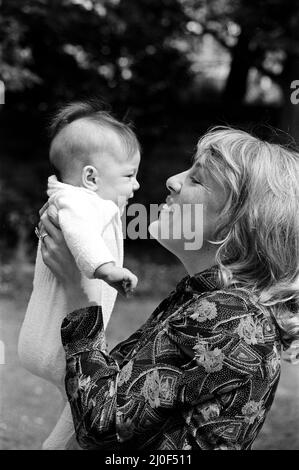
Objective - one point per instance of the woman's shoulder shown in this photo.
(233, 309)
(233, 299)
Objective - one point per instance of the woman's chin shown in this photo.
(153, 229)
(156, 231)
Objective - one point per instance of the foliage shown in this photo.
(109, 48)
(53, 51)
(269, 27)
(138, 57)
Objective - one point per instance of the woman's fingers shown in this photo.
(49, 221)
(44, 208)
(50, 228)
(47, 251)
(49, 244)
(53, 215)
(57, 256)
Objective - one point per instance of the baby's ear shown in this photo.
(90, 177)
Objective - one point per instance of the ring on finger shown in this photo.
(44, 236)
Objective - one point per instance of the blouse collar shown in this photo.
(204, 281)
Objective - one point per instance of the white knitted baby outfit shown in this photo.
(92, 230)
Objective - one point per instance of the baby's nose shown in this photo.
(136, 185)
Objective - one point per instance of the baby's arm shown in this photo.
(82, 226)
(120, 278)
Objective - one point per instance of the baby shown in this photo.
(96, 159)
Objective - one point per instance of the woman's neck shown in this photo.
(196, 262)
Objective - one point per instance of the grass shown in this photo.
(30, 406)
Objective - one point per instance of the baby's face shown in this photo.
(82, 144)
(103, 150)
(118, 177)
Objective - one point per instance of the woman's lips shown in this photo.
(168, 206)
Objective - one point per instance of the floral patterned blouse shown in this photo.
(201, 373)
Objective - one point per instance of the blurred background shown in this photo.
(174, 68)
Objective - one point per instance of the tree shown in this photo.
(54, 51)
(265, 35)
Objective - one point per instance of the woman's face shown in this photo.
(191, 212)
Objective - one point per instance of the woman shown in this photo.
(202, 372)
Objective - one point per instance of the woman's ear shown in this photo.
(90, 178)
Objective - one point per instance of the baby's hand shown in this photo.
(120, 278)
(129, 282)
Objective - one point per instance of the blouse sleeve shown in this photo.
(178, 366)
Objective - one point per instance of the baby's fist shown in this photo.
(129, 283)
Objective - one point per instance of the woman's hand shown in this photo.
(59, 259)
(55, 252)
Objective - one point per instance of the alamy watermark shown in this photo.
(175, 222)
(295, 93)
(2, 92)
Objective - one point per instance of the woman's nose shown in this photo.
(175, 182)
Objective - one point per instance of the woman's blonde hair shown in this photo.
(258, 230)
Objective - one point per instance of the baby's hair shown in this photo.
(92, 111)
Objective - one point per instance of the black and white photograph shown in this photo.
(149, 227)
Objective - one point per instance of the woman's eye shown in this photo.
(194, 180)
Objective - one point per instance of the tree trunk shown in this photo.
(236, 85)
